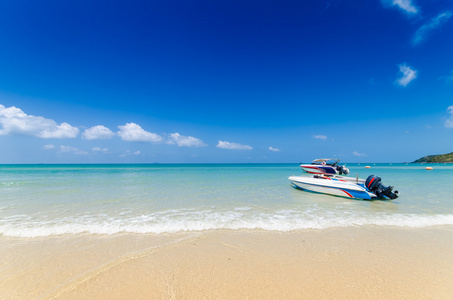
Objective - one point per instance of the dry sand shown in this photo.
(350, 263)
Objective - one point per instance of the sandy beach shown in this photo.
(350, 263)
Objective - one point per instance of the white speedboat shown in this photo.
(326, 166)
(348, 187)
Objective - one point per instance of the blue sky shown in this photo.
(225, 81)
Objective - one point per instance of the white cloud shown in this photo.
(132, 132)
(449, 122)
(185, 141)
(129, 153)
(320, 137)
(408, 75)
(14, 121)
(48, 147)
(98, 149)
(358, 154)
(422, 33)
(274, 149)
(406, 5)
(233, 146)
(98, 132)
(64, 130)
(69, 149)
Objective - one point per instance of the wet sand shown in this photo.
(350, 263)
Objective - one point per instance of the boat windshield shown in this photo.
(327, 161)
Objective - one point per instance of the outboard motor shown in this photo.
(345, 170)
(373, 183)
(342, 170)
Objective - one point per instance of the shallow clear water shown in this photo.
(43, 200)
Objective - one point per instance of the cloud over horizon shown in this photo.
(99, 149)
(48, 147)
(320, 137)
(358, 153)
(408, 74)
(233, 146)
(132, 132)
(70, 149)
(14, 121)
(98, 132)
(185, 141)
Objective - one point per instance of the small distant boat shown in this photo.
(325, 166)
(348, 187)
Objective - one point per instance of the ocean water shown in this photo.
(46, 200)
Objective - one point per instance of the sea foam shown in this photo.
(186, 220)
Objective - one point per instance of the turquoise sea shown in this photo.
(46, 200)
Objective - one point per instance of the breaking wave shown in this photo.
(186, 220)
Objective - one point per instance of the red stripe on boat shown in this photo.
(348, 194)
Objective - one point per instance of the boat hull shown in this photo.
(332, 186)
(312, 169)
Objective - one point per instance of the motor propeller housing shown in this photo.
(345, 170)
(342, 170)
(373, 183)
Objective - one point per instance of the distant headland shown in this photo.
(441, 158)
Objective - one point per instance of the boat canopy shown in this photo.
(328, 161)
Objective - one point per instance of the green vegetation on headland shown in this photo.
(441, 158)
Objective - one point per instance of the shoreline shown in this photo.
(368, 262)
